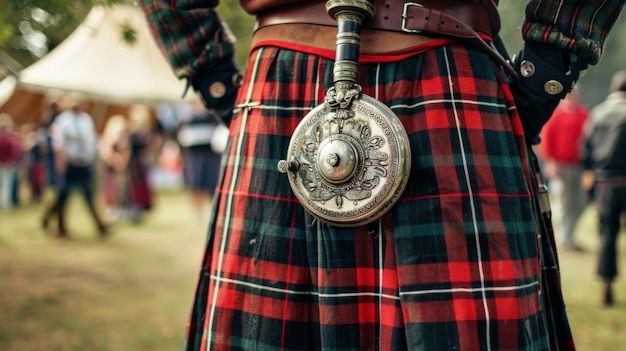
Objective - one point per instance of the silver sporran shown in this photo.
(348, 172)
(349, 158)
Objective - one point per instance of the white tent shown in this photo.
(97, 59)
(7, 86)
(111, 58)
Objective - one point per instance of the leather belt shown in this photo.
(444, 17)
(413, 23)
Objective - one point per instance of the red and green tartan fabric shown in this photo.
(464, 261)
(580, 26)
(456, 265)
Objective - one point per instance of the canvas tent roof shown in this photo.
(111, 55)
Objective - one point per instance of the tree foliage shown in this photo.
(31, 28)
(241, 24)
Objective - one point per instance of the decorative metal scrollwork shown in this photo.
(349, 158)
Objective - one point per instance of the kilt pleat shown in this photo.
(455, 265)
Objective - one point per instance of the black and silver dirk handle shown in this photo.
(350, 15)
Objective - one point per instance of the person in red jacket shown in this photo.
(10, 154)
(561, 148)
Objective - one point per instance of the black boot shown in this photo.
(62, 233)
(607, 296)
(103, 229)
(51, 211)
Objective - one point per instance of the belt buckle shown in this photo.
(405, 17)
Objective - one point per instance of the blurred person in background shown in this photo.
(143, 142)
(32, 165)
(561, 151)
(74, 143)
(169, 116)
(54, 110)
(10, 154)
(605, 165)
(201, 163)
(170, 165)
(114, 152)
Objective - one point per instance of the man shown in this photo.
(561, 151)
(605, 156)
(463, 260)
(201, 162)
(74, 144)
(54, 110)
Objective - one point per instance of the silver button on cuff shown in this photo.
(553, 87)
(527, 69)
(217, 90)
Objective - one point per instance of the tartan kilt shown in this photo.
(110, 187)
(457, 264)
(140, 192)
(36, 176)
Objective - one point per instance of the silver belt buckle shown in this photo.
(405, 17)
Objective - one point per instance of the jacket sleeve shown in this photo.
(190, 33)
(579, 26)
(587, 151)
(561, 37)
(200, 48)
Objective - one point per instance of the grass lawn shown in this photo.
(129, 292)
(594, 326)
(132, 291)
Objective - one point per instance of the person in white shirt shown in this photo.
(74, 142)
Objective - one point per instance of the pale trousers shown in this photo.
(6, 186)
(572, 200)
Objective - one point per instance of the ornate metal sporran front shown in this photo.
(350, 171)
(349, 158)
